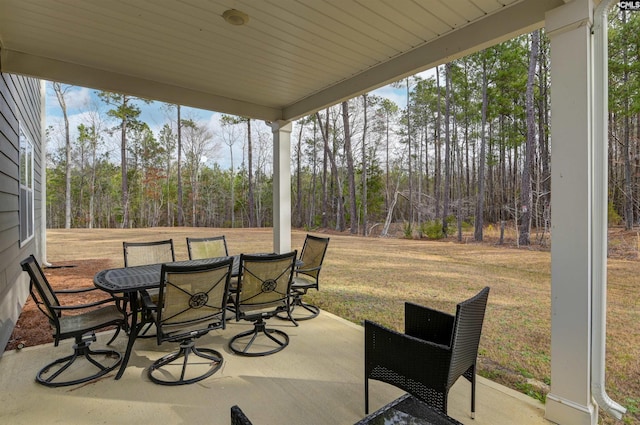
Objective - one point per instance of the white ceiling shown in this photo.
(293, 56)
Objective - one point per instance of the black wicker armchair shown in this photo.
(435, 350)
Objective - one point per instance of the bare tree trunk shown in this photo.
(386, 197)
(479, 219)
(299, 178)
(526, 199)
(92, 196)
(364, 168)
(438, 157)
(60, 93)
(459, 190)
(334, 171)
(626, 136)
(179, 170)
(123, 166)
(232, 189)
(312, 202)
(252, 210)
(168, 185)
(350, 168)
(543, 124)
(411, 218)
(325, 172)
(447, 148)
(387, 221)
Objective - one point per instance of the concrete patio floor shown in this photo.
(317, 379)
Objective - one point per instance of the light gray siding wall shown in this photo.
(19, 106)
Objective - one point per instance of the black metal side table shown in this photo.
(407, 410)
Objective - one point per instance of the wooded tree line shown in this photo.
(470, 147)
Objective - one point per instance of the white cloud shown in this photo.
(396, 95)
(76, 99)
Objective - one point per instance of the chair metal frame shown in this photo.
(306, 277)
(213, 246)
(194, 301)
(263, 291)
(435, 350)
(80, 326)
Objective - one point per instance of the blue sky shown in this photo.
(80, 99)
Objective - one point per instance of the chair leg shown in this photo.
(258, 328)
(115, 335)
(473, 395)
(366, 396)
(187, 347)
(312, 310)
(80, 349)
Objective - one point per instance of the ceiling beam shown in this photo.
(85, 76)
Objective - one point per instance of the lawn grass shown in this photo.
(371, 278)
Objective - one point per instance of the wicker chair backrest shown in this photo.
(466, 334)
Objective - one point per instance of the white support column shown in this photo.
(281, 186)
(41, 232)
(570, 400)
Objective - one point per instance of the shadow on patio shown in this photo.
(317, 379)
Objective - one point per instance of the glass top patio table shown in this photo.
(408, 410)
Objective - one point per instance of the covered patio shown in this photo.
(292, 58)
(317, 379)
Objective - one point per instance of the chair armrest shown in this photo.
(75, 291)
(81, 306)
(119, 300)
(306, 270)
(403, 360)
(428, 324)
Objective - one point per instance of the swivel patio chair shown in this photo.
(80, 326)
(263, 289)
(435, 350)
(306, 277)
(191, 303)
(210, 247)
(143, 253)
